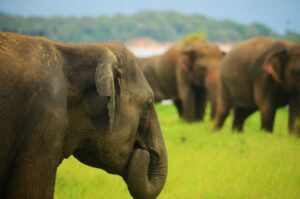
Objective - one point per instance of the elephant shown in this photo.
(212, 83)
(148, 65)
(86, 100)
(188, 74)
(259, 74)
(292, 84)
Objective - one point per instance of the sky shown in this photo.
(280, 15)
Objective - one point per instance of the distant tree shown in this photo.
(293, 36)
(160, 26)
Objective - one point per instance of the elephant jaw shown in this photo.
(146, 174)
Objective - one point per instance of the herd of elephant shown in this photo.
(260, 73)
(92, 101)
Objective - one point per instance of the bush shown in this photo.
(195, 37)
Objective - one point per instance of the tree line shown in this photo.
(160, 26)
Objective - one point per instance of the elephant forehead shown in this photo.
(207, 62)
(213, 51)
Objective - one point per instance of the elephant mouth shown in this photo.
(138, 145)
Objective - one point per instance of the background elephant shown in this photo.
(212, 82)
(90, 101)
(188, 74)
(258, 73)
(148, 66)
(291, 80)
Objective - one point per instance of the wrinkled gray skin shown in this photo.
(90, 101)
(188, 74)
(260, 73)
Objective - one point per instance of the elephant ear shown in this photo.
(275, 62)
(105, 82)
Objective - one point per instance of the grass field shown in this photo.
(203, 164)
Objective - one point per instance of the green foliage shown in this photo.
(293, 36)
(161, 26)
(203, 164)
(195, 37)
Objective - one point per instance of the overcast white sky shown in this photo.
(280, 15)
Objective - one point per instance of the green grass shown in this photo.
(203, 164)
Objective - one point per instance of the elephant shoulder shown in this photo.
(28, 64)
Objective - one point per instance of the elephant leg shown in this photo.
(222, 113)
(200, 103)
(223, 107)
(240, 115)
(32, 177)
(213, 110)
(267, 97)
(188, 104)
(187, 95)
(178, 106)
(32, 173)
(188, 107)
(267, 112)
(294, 115)
(266, 100)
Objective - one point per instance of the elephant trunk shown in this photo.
(294, 114)
(147, 169)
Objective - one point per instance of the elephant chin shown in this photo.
(146, 174)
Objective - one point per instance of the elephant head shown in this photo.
(112, 123)
(199, 59)
(197, 75)
(282, 63)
